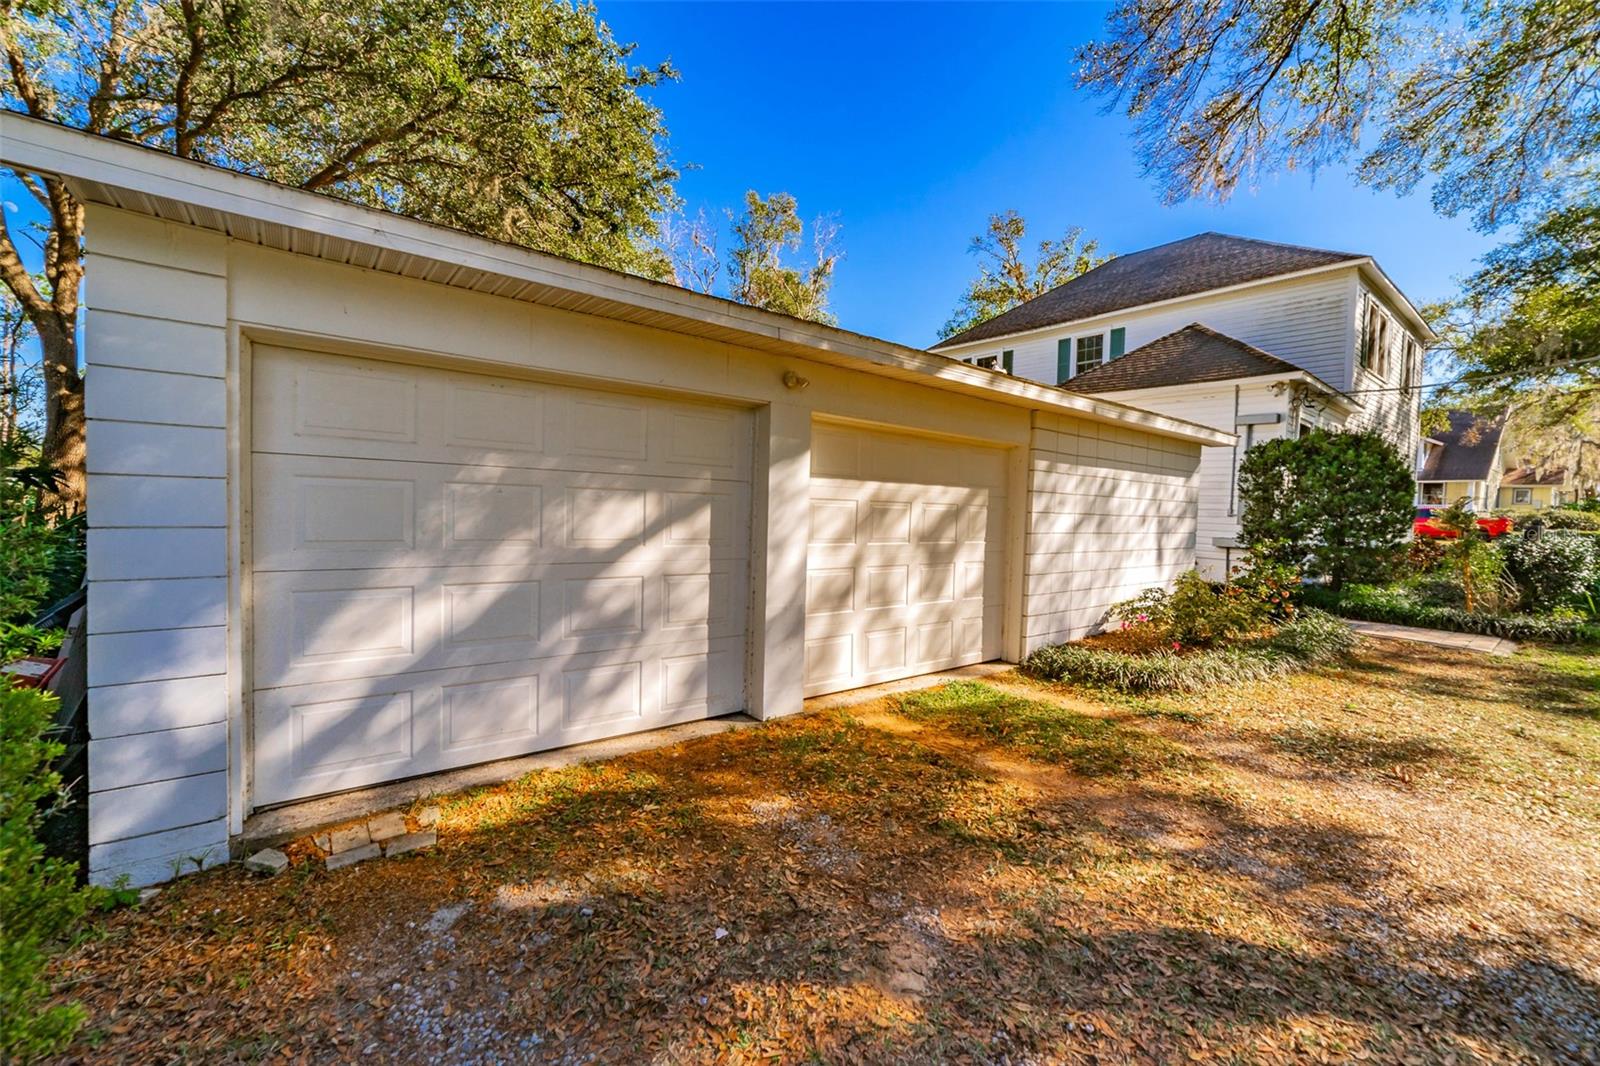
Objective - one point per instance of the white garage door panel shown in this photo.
(905, 571)
(451, 568)
(310, 404)
(318, 513)
(331, 624)
(347, 734)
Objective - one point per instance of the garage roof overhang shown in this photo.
(143, 180)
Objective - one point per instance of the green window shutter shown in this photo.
(1063, 359)
(1006, 359)
(1119, 338)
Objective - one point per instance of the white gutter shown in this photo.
(84, 159)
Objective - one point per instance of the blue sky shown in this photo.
(911, 123)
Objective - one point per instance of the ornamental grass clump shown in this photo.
(1313, 637)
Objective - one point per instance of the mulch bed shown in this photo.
(1394, 861)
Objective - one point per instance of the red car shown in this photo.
(1422, 525)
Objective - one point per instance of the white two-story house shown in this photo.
(1253, 337)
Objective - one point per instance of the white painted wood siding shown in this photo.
(156, 398)
(1111, 512)
(1386, 405)
(1306, 322)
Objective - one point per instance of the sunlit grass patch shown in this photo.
(1084, 744)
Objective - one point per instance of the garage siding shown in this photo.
(157, 356)
(1111, 511)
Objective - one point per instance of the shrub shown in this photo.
(1552, 568)
(1312, 638)
(1553, 518)
(1343, 500)
(1392, 605)
(1196, 611)
(1274, 584)
(40, 901)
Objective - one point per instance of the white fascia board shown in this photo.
(1098, 321)
(33, 145)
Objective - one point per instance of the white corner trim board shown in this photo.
(371, 499)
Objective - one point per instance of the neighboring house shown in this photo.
(1247, 336)
(1462, 461)
(1527, 486)
(371, 499)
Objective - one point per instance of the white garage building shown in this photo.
(371, 499)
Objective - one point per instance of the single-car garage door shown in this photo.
(905, 572)
(450, 568)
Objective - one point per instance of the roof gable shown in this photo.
(1197, 264)
(1468, 449)
(1194, 354)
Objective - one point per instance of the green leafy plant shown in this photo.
(1314, 637)
(1262, 577)
(1343, 501)
(17, 642)
(1393, 604)
(1196, 611)
(1552, 568)
(40, 901)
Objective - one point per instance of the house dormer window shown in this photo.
(1001, 361)
(1374, 353)
(1091, 352)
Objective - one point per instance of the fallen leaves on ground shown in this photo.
(1394, 860)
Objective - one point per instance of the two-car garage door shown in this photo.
(451, 568)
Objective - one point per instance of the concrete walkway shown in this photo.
(1442, 638)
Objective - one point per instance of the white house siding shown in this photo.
(157, 405)
(1305, 321)
(176, 315)
(1386, 405)
(1217, 515)
(1110, 512)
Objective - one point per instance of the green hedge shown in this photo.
(1312, 638)
(1372, 604)
(40, 902)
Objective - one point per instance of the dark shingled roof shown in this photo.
(1193, 354)
(1195, 264)
(1469, 448)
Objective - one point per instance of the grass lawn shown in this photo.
(1397, 860)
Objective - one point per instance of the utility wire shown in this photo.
(1473, 377)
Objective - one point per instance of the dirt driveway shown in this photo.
(1396, 860)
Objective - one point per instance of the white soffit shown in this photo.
(142, 180)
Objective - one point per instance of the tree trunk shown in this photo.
(64, 444)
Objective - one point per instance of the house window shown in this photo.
(1091, 352)
(1520, 497)
(1433, 492)
(1413, 367)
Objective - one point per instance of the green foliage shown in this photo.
(41, 549)
(1494, 104)
(1553, 569)
(1312, 638)
(1085, 744)
(1195, 611)
(1524, 333)
(17, 642)
(1562, 518)
(760, 277)
(1341, 500)
(1264, 578)
(1396, 605)
(522, 120)
(40, 902)
(1005, 279)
